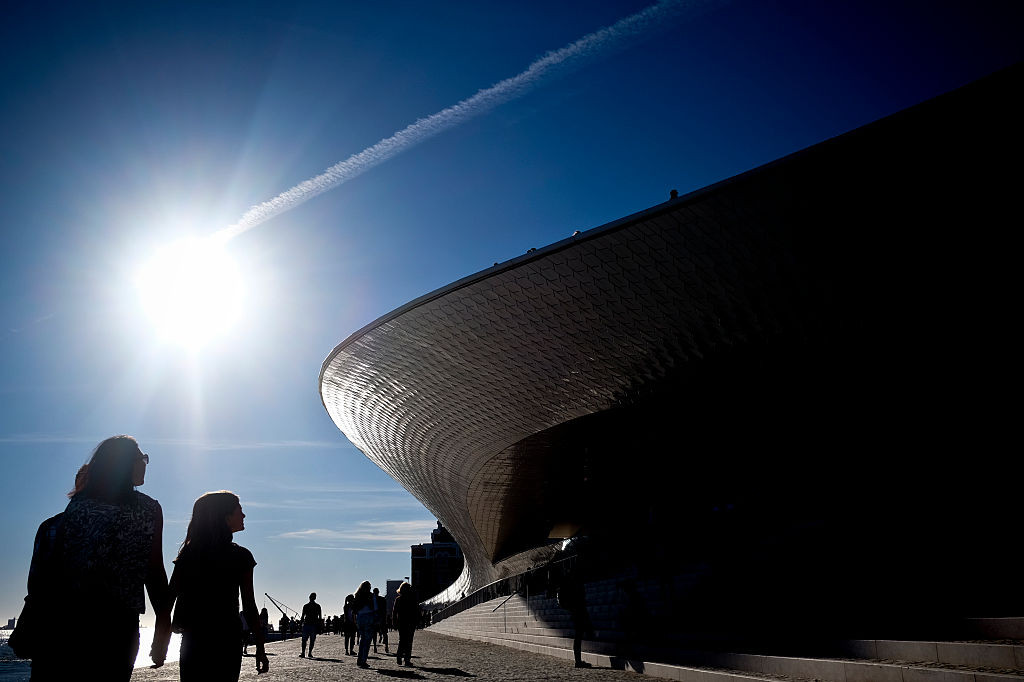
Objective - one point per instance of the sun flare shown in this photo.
(191, 291)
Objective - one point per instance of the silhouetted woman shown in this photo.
(406, 616)
(108, 545)
(264, 621)
(366, 620)
(349, 626)
(209, 573)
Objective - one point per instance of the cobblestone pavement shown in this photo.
(435, 657)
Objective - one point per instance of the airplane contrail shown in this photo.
(618, 35)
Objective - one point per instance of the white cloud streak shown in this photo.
(397, 550)
(387, 531)
(343, 501)
(205, 446)
(599, 43)
(365, 536)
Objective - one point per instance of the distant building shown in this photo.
(392, 587)
(10, 623)
(436, 564)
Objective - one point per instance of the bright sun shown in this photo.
(191, 291)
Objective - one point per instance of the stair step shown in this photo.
(733, 664)
(969, 654)
(539, 625)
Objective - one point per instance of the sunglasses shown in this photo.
(145, 458)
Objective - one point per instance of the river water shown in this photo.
(17, 670)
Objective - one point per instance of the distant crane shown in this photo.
(281, 607)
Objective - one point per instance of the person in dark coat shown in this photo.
(405, 616)
(382, 621)
(349, 626)
(366, 621)
(572, 597)
(104, 548)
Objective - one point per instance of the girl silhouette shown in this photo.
(209, 573)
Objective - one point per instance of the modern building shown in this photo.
(798, 386)
(436, 564)
(391, 594)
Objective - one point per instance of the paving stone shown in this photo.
(435, 657)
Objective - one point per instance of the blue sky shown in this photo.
(124, 127)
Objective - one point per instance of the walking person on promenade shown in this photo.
(380, 607)
(349, 626)
(573, 598)
(282, 626)
(405, 616)
(209, 573)
(366, 619)
(265, 622)
(95, 558)
(310, 623)
(246, 633)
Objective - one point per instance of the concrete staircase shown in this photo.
(992, 650)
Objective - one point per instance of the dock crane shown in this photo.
(280, 606)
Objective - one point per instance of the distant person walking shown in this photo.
(310, 623)
(349, 626)
(380, 607)
(94, 558)
(366, 619)
(246, 633)
(572, 597)
(209, 573)
(264, 621)
(282, 625)
(405, 616)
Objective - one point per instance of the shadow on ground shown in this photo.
(405, 674)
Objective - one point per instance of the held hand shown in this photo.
(158, 652)
(161, 640)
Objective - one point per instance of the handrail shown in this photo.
(503, 587)
(506, 599)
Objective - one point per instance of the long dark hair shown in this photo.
(361, 597)
(108, 473)
(208, 529)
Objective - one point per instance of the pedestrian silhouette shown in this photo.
(95, 557)
(366, 619)
(209, 573)
(310, 624)
(381, 608)
(349, 626)
(406, 616)
(572, 597)
(282, 625)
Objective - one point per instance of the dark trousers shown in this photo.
(365, 638)
(308, 632)
(109, 655)
(405, 643)
(210, 657)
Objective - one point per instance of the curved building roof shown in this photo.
(765, 311)
(440, 392)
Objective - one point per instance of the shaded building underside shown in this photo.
(804, 377)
